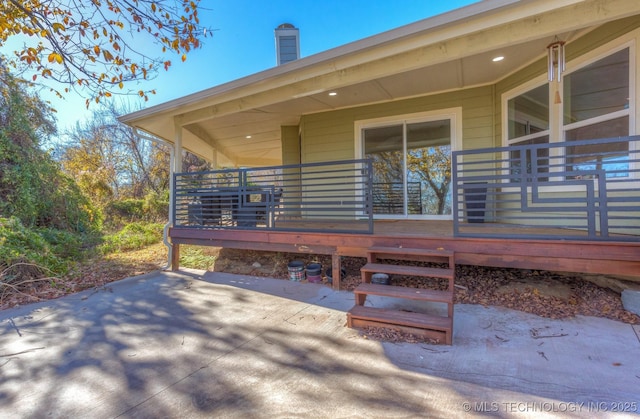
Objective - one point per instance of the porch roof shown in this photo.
(447, 52)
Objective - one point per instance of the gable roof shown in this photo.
(445, 52)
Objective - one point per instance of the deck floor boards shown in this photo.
(621, 258)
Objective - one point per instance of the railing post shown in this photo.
(369, 193)
(455, 201)
(575, 189)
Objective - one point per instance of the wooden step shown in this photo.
(361, 316)
(372, 268)
(410, 251)
(408, 293)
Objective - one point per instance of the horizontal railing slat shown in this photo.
(285, 197)
(549, 190)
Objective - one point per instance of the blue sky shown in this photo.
(243, 40)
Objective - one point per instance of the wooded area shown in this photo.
(98, 188)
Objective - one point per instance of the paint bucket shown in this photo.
(314, 272)
(296, 270)
(379, 278)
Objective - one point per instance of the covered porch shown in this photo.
(501, 215)
(541, 173)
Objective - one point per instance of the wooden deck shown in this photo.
(612, 257)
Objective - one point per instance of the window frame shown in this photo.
(557, 129)
(454, 115)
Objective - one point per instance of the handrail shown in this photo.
(334, 196)
(585, 190)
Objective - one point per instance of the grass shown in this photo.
(196, 257)
(132, 237)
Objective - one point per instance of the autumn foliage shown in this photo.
(99, 46)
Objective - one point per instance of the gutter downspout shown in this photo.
(165, 230)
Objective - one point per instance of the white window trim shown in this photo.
(452, 114)
(523, 88)
(557, 129)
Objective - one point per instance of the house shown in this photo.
(505, 131)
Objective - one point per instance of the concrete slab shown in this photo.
(195, 344)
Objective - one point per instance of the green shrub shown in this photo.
(33, 188)
(19, 244)
(126, 209)
(133, 236)
(156, 206)
(66, 244)
(152, 209)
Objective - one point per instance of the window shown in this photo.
(598, 89)
(528, 122)
(528, 114)
(595, 105)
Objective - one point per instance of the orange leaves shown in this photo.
(57, 27)
(55, 57)
(107, 55)
(79, 43)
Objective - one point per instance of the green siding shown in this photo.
(290, 145)
(330, 136)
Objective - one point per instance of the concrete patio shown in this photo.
(204, 344)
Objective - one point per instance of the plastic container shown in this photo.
(380, 278)
(296, 270)
(314, 272)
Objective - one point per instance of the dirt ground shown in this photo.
(546, 294)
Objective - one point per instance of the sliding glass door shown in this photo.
(411, 167)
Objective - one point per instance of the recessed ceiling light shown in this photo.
(498, 58)
(333, 94)
(247, 137)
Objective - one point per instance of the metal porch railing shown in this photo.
(584, 190)
(328, 196)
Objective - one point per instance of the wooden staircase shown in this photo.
(439, 328)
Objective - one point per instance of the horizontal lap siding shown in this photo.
(574, 49)
(330, 136)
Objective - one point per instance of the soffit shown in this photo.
(224, 119)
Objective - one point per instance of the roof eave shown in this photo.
(459, 22)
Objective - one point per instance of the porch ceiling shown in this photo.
(449, 52)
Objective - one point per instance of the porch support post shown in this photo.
(175, 257)
(177, 146)
(214, 159)
(176, 167)
(335, 270)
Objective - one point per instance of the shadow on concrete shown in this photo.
(172, 345)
